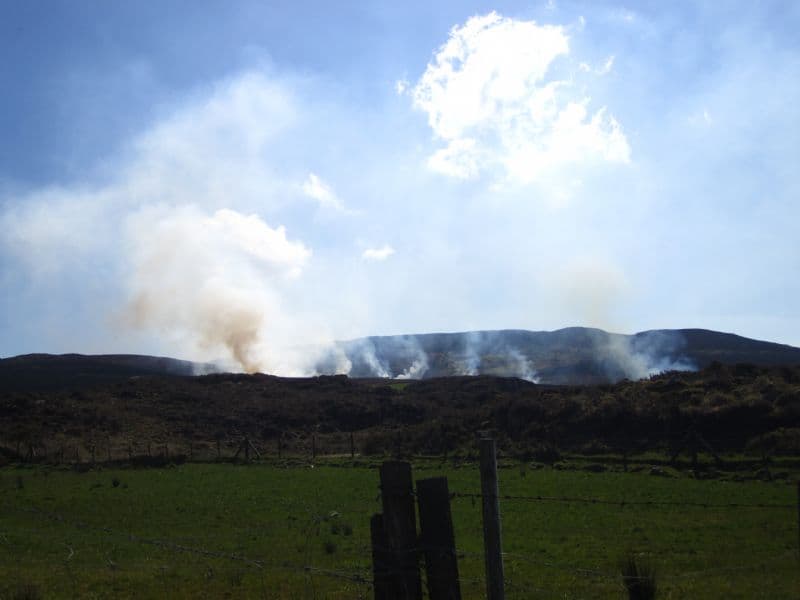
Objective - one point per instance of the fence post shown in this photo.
(438, 540)
(492, 544)
(400, 524)
(381, 559)
(352, 446)
(313, 446)
(798, 517)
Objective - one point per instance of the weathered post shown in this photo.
(92, 449)
(438, 540)
(492, 543)
(352, 446)
(400, 523)
(382, 563)
(219, 452)
(313, 446)
(280, 447)
(149, 450)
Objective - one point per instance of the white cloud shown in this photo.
(378, 254)
(607, 66)
(400, 86)
(317, 189)
(488, 98)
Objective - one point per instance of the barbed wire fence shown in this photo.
(360, 578)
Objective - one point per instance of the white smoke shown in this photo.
(521, 367)
(412, 350)
(471, 359)
(211, 283)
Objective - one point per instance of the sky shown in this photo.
(244, 181)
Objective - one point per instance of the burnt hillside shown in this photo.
(731, 407)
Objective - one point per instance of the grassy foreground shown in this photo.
(272, 531)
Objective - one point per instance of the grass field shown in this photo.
(279, 531)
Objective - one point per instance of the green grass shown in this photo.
(77, 535)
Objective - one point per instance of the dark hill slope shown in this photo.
(704, 347)
(43, 372)
(575, 355)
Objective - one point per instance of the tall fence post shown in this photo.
(382, 560)
(438, 539)
(492, 544)
(400, 524)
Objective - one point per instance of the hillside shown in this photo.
(576, 355)
(733, 408)
(47, 372)
(572, 356)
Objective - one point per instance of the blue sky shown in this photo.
(239, 180)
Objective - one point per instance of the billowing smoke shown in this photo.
(210, 282)
(419, 359)
(639, 356)
(433, 355)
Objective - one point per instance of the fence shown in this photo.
(396, 572)
(527, 573)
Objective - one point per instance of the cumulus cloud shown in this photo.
(491, 100)
(378, 254)
(320, 191)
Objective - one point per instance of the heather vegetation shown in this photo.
(720, 412)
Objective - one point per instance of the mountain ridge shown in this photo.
(571, 355)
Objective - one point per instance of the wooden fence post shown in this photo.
(438, 540)
(352, 446)
(400, 523)
(492, 543)
(313, 446)
(382, 561)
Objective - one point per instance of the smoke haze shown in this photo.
(502, 171)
